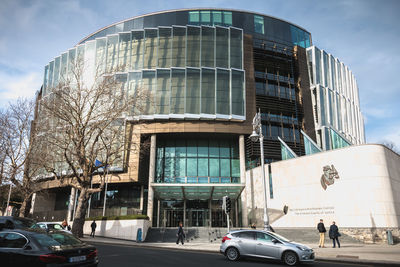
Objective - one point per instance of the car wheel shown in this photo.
(232, 254)
(290, 258)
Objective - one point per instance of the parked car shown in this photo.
(10, 222)
(264, 244)
(37, 247)
(50, 226)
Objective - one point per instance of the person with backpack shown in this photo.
(322, 230)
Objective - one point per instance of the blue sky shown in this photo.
(363, 34)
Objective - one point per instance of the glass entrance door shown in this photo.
(197, 218)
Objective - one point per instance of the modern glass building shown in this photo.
(208, 72)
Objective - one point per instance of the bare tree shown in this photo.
(390, 145)
(81, 130)
(15, 151)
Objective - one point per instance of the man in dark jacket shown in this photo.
(93, 226)
(334, 234)
(180, 234)
(322, 231)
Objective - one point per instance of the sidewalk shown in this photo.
(360, 253)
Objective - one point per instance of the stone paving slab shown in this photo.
(361, 253)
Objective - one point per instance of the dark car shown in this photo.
(10, 222)
(37, 247)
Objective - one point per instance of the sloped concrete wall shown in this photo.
(122, 229)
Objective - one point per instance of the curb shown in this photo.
(343, 259)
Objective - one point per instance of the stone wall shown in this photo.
(372, 235)
(121, 229)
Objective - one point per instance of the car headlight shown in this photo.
(302, 248)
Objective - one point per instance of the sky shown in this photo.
(363, 34)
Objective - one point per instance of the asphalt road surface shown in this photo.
(121, 256)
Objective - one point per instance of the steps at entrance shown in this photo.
(204, 235)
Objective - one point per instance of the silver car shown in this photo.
(264, 244)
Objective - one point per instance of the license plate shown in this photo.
(77, 259)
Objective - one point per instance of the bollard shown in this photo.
(389, 237)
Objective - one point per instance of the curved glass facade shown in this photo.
(191, 71)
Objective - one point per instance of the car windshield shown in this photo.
(279, 237)
(26, 223)
(55, 226)
(56, 239)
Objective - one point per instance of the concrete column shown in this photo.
(242, 158)
(152, 171)
(32, 203)
(184, 213)
(141, 197)
(71, 204)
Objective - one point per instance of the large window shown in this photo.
(197, 160)
(259, 24)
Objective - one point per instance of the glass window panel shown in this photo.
(193, 47)
(214, 149)
(234, 150)
(235, 167)
(180, 167)
(170, 148)
(214, 167)
(150, 49)
(164, 47)
(203, 166)
(63, 68)
(194, 17)
(89, 63)
(207, 46)
(137, 46)
(227, 18)
(178, 91)
(223, 99)
(192, 148)
(322, 105)
(208, 91)
(178, 46)
(237, 92)
(51, 71)
(134, 81)
(149, 84)
(45, 78)
(203, 148)
(236, 48)
(222, 44)
(205, 17)
(101, 55)
(217, 17)
(56, 74)
(124, 50)
(224, 147)
(318, 68)
(225, 167)
(180, 149)
(163, 91)
(259, 24)
(192, 91)
(112, 53)
(191, 166)
(71, 62)
(169, 167)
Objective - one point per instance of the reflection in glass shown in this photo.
(150, 49)
(100, 55)
(164, 47)
(236, 48)
(193, 47)
(137, 46)
(178, 46)
(124, 50)
(259, 24)
(163, 91)
(148, 84)
(238, 92)
(222, 44)
(178, 91)
(208, 91)
(112, 53)
(207, 46)
(192, 91)
(223, 98)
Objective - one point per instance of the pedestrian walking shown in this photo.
(334, 234)
(93, 225)
(180, 234)
(322, 230)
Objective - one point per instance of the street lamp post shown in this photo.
(255, 136)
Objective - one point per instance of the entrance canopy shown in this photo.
(197, 191)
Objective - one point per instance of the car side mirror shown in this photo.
(275, 241)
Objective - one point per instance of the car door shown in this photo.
(4, 253)
(265, 247)
(13, 243)
(247, 243)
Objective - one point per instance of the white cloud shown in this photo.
(14, 86)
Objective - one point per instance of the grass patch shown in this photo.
(122, 217)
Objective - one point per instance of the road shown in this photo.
(121, 256)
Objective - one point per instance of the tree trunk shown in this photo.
(80, 212)
(25, 204)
